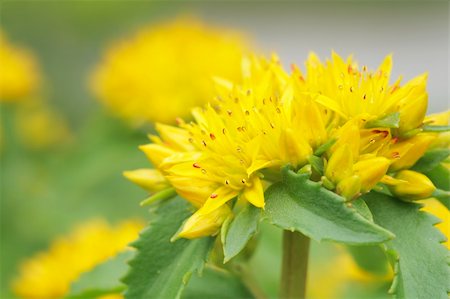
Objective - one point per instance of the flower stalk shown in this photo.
(295, 265)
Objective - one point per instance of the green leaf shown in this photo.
(389, 121)
(420, 260)
(362, 208)
(240, 230)
(428, 128)
(299, 204)
(217, 284)
(103, 279)
(431, 159)
(161, 268)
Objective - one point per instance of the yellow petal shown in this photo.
(408, 152)
(200, 225)
(149, 179)
(156, 153)
(175, 138)
(217, 199)
(255, 193)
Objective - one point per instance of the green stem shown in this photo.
(295, 265)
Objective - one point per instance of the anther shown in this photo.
(204, 143)
(396, 155)
(196, 165)
(214, 195)
(212, 136)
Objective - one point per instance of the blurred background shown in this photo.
(47, 189)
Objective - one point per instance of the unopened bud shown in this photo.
(199, 225)
(349, 187)
(371, 171)
(149, 179)
(415, 186)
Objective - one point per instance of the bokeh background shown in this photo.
(45, 192)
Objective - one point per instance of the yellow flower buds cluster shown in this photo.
(354, 128)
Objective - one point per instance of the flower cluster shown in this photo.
(49, 274)
(165, 69)
(347, 126)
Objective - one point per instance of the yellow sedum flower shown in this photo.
(49, 274)
(253, 127)
(19, 72)
(164, 70)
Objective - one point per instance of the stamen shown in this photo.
(243, 181)
(196, 165)
(204, 143)
(212, 136)
(227, 182)
(396, 155)
(364, 96)
(229, 112)
(214, 195)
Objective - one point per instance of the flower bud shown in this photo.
(149, 179)
(349, 187)
(340, 164)
(415, 186)
(199, 225)
(414, 105)
(371, 171)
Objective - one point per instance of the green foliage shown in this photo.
(431, 159)
(389, 121)
(240, 230)
(103, 279)
(419, 258)
(161, 268)
(216, 283)
(299, 204)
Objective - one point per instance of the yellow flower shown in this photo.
(164, 70)
(268, 119)
(414, 186)
(350, 92)
(20, 76)
(49, 274)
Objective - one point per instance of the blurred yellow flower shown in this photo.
(49, 274)
(166, 69)
(19, 72)
(436, 208)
